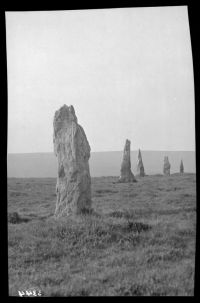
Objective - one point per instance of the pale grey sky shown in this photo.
(127, 72)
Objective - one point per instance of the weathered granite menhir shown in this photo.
(126, 173)
(140, 166)
(181, 167)
(166, 167)
(73, 152)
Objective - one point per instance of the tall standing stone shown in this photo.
(181, 167)
(73, 152)
(140, 166)
(126, 173)
(166, 167)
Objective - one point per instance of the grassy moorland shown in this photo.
(140, 241)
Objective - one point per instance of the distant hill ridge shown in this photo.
(44, 165)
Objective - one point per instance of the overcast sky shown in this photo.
(127, 72)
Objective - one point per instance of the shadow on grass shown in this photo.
(17, 194)
(15, 218)
(121, 214)
(101, 192)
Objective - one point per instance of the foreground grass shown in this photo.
(139, 241)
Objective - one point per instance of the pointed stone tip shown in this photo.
(65, 113)
(67, 107)
(71, 109)
(64, 107)
(139, 155)
(128, 142)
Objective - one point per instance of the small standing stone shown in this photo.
(73, 152)
(166, 167)
(140, 167)
(126, 173)
(181, 167)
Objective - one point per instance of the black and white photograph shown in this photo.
(101, 152)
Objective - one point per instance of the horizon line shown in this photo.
(105, 151)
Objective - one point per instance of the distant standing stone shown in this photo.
(126, 173)
(181, 167)
(73, 152)
(140, 167)
(166, 167)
